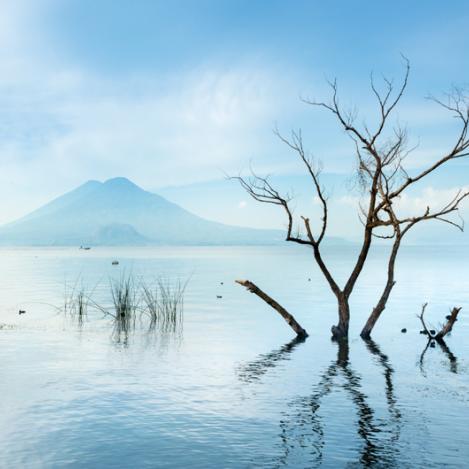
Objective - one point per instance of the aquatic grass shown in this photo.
(156, 307)
(79, 307)
(164, 304)
(123, 307)
(76, 302)
(150, 297)
(69, 297)
(125, 300)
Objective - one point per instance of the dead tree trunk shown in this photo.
(341, 330)
(291, 321)
(381, 305)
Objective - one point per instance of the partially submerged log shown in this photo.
(291, 321)
(447, 327)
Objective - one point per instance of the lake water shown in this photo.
(232, 390)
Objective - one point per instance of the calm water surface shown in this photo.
(232, 389)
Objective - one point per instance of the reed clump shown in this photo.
(156, 307)
(80, 307)
(76, 304)
(163, 304)
(125, 300)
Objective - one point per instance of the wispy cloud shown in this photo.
(65, 124)
(64, 119)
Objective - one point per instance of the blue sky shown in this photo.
(175, 94)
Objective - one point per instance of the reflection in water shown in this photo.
(160, 338)
(302, 429)
(453, 361)
(71, 399)
(163, 341)
(253, 371)
(163, 335)
(388, 372)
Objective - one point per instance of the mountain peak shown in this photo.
(120, 182)
(91, 183)
(118, 212)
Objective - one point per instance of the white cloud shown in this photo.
(414, 204)
(429, 197)
(62, 125)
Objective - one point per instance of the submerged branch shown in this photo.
(291, 321)
(447, 327)
(452, 318)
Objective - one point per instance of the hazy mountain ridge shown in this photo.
(118, 212)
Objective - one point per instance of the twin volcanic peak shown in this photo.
(118, 212)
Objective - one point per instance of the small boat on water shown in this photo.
(85, 248)
(115, 262)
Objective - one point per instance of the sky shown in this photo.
(175, 95)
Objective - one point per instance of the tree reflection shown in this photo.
(452, 359)
(254, 370)
(388, 372)
(302, 430)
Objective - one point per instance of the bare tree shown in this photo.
(380, 156)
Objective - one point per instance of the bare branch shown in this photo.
(459, 104)
(383, 100)
(300, 332)
(346, 120)
(296, 144)
(260, 189)
(439, 215)
(424, 306)
(447, 327)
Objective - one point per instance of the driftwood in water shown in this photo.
(271, 302)
(447, 327)
(453, 317)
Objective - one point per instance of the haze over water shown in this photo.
(232, 389)
(138, 140)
